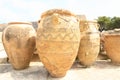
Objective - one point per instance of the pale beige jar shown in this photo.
(58, 38)
(19, 43)
(89, 44)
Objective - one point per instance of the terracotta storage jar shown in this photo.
(58, 38)
(112, 45)
(89, 44)
(19, 43)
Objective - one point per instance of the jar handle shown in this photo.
(38, 21)
(55, 19)
(97, 26)
(83, 25)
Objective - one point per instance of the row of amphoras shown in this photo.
(59, 39)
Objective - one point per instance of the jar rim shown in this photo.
(20, 23)
(89, 21)
(58, 11)
(96, 32)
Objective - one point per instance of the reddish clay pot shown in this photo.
(19, 43)
(57, 41)
(112, 44)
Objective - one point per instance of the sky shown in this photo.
(31, 10)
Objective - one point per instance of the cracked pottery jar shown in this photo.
(89, 44)
(57, 41)
(19, 43)
(112, 44)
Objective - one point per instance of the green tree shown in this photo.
(115, 23)
(104, 22)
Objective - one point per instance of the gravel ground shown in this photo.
(101, 70)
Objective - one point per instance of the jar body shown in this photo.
(19, 43)
(111, 45)
(57, 41)
(90, 43)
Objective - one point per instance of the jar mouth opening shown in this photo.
(20, 23)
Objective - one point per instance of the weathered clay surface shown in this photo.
(57, 41)
(19, 43)
(112, 44)
(89, 44)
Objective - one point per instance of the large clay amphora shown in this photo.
(19, 42)
(112, 45)
(57, 41)
(90, 43)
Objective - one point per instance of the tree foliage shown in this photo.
(108, 23)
